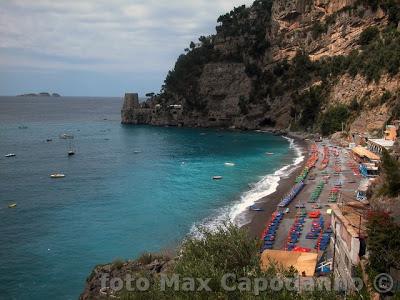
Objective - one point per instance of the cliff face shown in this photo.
(265, 63)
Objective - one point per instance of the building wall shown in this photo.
(347, 249)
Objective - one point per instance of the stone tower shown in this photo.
(131, 102)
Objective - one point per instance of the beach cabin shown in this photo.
(377, 145)
(369, 170)
(364, 155)
(390, 136)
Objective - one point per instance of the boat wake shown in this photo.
(238, 213)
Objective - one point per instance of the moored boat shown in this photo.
(217, 177)
(57, 175)
(10, 155)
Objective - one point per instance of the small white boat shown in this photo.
(217, 177)
(66, 136)
(229, 164)
(269, 153)
(137, 151)
(10, 155)
(71, 152)
(13, 205)
(57, 175)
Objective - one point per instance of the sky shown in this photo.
(98, 47)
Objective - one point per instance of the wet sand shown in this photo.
(270, 202)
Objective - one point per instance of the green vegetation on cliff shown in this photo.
(183, 79)
(292, 91)
(379, 54)
(391, 7)
(250, 33)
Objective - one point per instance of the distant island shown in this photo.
(42, 94)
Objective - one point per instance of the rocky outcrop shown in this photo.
(98, 283)
(337, 24)
(376, 112)
(242, 78)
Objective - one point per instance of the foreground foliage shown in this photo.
(383, 243)
(229, 249)
(391, 170)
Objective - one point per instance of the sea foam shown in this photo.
(237, 212)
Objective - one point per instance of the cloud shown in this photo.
(103, 35)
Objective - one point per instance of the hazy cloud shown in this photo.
(102, 35)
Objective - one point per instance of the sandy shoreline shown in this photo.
(270, 202)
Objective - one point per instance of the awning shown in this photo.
(362, 152)
(303, 262)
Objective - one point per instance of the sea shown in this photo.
(127, 190)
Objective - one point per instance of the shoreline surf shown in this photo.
(238, 212)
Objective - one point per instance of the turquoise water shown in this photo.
(113, 202)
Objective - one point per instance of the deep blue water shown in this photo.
(112, 203)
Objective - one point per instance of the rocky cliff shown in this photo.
(288, 64)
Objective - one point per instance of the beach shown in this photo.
(269, 203)
(335, 175)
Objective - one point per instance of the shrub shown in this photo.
(391, 170)
(227, 250)
(355, 105)
(318, 28)
(118, 263)
(383, 242)
(385, 97)
(147, 258)
(310, 104)
(334, 118)
(368, 35)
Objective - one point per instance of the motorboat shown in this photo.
(229, 164)
(71, 152)
(10, 155)
(217, 177)
(13, 205)
(57, 175)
